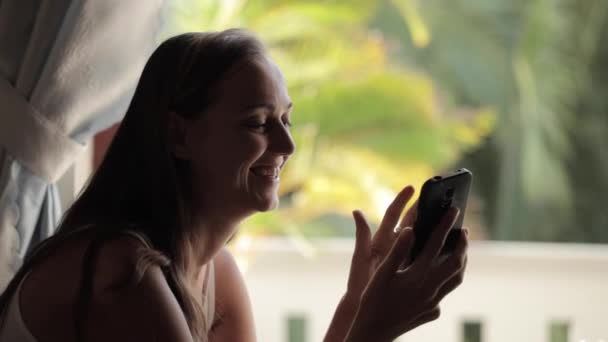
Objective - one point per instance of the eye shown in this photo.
(285, 120)
(256, 126)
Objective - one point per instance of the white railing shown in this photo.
(514, 290)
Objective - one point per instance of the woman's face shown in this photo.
(240, 144)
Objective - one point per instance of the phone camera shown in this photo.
(437, 178)
(450, 193)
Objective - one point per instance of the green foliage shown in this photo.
(541, 65)
(365, 123)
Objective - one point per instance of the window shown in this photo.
(296, 328)
(558, 331)
(471, 331)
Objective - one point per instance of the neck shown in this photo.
(211, 233)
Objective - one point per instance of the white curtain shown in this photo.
(68, 69)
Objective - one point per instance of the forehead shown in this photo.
(252, 82)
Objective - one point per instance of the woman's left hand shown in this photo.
(370, 251)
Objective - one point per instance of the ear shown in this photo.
(177, 136)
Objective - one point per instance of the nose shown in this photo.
(281, 141)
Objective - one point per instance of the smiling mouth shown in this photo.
(266, 172)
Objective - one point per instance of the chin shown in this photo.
(264, 205)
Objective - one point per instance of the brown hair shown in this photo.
(140, 186)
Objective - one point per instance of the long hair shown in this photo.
(140, 186)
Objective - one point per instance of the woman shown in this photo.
(140, 254)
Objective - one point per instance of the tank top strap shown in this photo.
(129, 232)
(209, 304)
(138, 236)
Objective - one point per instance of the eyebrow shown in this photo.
(268, 106)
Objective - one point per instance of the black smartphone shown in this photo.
(438, 194)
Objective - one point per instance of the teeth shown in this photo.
(267, 171)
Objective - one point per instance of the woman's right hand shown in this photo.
(403, 295)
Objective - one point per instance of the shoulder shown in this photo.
(124, 309)
(231, 291)
(232, 301)
(226, 267)
(120, 258)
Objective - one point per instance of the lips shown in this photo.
(266, 171)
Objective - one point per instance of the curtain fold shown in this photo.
(68, 69)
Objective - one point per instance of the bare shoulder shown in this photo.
(142, 310)
(226, 266)
(231, 289)
(233, 305)
(124, 310)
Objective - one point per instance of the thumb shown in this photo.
(399, 253)
(363, 235)
(359, 266)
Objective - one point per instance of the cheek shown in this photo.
(253, 146)
(245, 146)
(221, 156)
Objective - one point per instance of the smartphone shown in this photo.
(438, 194)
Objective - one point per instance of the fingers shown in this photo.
(446, 276)
(427, 317)
(409, 218)
(455, 262)
(363, 234)
(400, 251)
(433, 246)
(407, 260)
(386, 232)
(449, 286)
(361, 252)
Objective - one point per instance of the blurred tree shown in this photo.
(541, 65)
(364, 125)
(587, 165)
